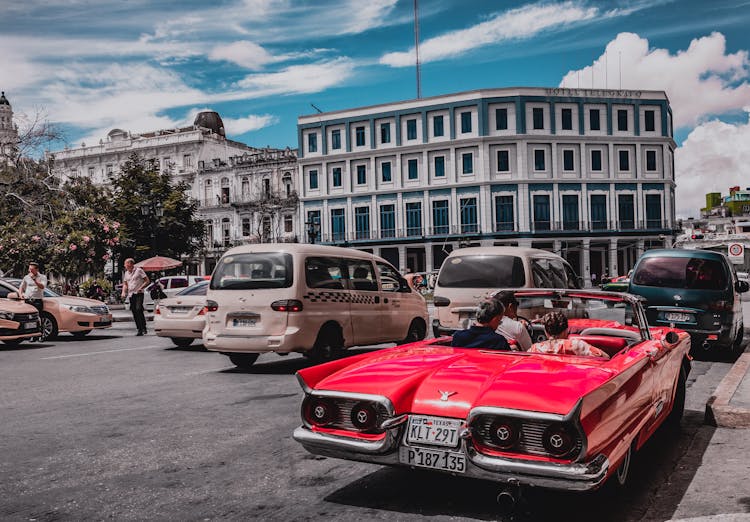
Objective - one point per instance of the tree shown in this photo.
(157, 216)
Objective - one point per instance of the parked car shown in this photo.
(171, 286)
(618, 284)
(470, 273)
(312, 299)
(695, 290)
(182, 317)
(551, 420)
(18, 321)
(64, 313)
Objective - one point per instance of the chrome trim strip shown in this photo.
(302, 383)
(518, 414)
(383, 401)
(313, 441)
(393, 422)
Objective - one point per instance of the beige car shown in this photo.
(182, 317)
(64, 313)
(470, 274)
(18, 321)
(312, 299)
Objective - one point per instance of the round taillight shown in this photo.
(364, 417)
(211, 306)
(558, 440)
(504, 433)
(321, 412)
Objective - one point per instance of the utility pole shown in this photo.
(416, 48)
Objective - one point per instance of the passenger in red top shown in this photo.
(557, 331)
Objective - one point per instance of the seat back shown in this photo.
(609, 345)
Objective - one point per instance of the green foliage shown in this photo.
(105, 283)
(174, 233)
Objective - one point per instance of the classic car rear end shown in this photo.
(554, 421)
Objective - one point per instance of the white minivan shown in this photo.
(313, 299)
(470, 274)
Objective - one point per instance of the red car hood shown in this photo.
(417, 377)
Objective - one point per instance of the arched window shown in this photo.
(266, 187)
(224, 191)
(226, 231)
(266, 229)
(287, 181)
(245, 188)
(208, 192)
(209, 232)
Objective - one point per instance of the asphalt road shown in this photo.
(122, 427)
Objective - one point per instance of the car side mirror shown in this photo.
(742, 286)
(13, 295)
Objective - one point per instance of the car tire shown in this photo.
(329, 343)
(82, 333)
(243, 360)
(184, 342)
(417, 332)
(619, 479)
(678, 407)
(48, 327)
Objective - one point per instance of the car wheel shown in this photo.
(182, 342)
(620, 477)
(416, 332)
(329, 343)
(678, 408)
(82, 333)
(49, 327)
(243, 360)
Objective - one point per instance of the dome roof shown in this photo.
(3, 99)
(210, 120)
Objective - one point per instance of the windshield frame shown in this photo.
(246, 283)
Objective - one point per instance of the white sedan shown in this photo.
(182, 317)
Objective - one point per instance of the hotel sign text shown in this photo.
(605, 93)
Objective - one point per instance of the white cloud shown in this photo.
(252, 122)
(522, 22)
(362, 16)
(700, 81)
(297, 79)
(243, 53)
(714, 157)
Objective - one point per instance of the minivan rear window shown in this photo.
(691, 273)
(482, 272)
(253, 270)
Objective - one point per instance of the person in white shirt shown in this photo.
(134, 280)
(510, 327)
(32, 287)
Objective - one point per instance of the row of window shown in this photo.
(504, 216)
(596, 164)
(265, 228)
(466, 125)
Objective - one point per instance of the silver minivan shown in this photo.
(312, 299)
(471, 274)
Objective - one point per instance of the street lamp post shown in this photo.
(149, 209)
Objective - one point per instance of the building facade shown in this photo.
(244, 194)
(585, 173)
(8, 132)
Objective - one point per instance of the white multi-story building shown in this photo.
(586, 173)
(8, 131)
(244, 193)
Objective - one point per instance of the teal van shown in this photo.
(695, 290)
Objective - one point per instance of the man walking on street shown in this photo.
(32, 287)
(134, 281)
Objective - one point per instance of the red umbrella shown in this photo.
(158, 263)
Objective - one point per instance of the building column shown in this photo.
(586, 262)
(613, 265)
(402, 259)
(428, 258)
(557, 247)
(639, 247)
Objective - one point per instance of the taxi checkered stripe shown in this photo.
(338, 297)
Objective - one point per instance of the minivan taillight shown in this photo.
(287, 305)
(441, 301)
(211, 306)
(721, 306)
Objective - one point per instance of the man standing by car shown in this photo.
(32, 287)
(134, 280)
(510, 327)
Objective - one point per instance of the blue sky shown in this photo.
(142, 65)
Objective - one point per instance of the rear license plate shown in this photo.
(180, 309)
(30, 325)
(439, 459)
(244, 322)
(433, 430)
(679, 317)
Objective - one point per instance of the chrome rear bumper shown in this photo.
(571, 477)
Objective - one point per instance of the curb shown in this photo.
(719, 412)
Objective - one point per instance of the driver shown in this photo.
(556, 328)
(510, 327)
(482, 334)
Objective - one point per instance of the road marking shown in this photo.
(97, 353)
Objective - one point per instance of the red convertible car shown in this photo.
(523, 419)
